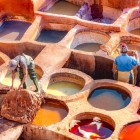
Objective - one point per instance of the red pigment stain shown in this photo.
(130, 132)
(104, 132)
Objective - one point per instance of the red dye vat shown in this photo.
(91, 130)
(130, 132)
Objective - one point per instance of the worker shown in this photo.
(124, 65)
(25, 65)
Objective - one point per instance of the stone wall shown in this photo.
(89, 36)
(81, 61)
(17, 8)
(120, 4)
(103, 68)
(12, 49)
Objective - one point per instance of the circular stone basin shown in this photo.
(92, 129)
(109, 99)
(63, 88)
(88, 47)
(130, 132)
(50, 113)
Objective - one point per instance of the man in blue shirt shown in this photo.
(124, 65)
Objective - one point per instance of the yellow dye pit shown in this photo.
(49, 114)
(63, 88)
(8, 80)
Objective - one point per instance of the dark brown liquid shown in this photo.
(104, 132)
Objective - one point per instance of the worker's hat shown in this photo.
(13, 64)
(124, 48)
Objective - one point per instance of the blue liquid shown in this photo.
(88, 47)
(109, 99)
(51, 36)
(13, 30)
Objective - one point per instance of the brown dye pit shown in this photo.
(13, 30)
(130, 132)
(105, 130)
(109, 99)
(89, 47)
(58, 8)
(50, 113)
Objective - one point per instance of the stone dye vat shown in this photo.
(130, 132)
(50, 113)
(13, 30)
(92, 125)
(89, 40)
(109, 98)
(65, 82)
(58, 8)
(51, 36)
(85, 128)
(8, 80)
(89, 47)
(63, 88)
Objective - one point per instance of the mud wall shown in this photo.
(103, 68)
(17, 8)
(81, 61)
(13, 49)
(119, 4)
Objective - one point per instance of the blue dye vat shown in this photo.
(109, 99)
(51, 36)
(13, 30)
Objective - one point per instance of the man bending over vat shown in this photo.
(124, 65)
(25, 65)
